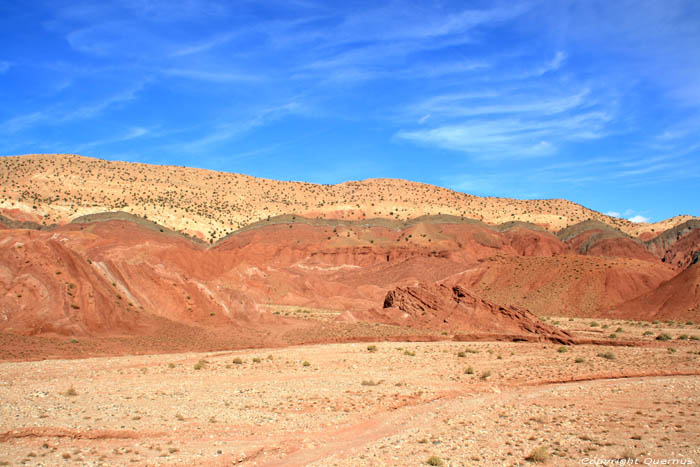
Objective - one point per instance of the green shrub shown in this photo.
(435, 461)
(607, 355)
(462, 354)
(594, 324)
(372, 348)
(580, 360)
(469, 371)
(306, 363)
(663, 337)
(562, 349)
(237, 361)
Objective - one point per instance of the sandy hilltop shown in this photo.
(57, 188)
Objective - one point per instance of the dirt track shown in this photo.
(352, 406)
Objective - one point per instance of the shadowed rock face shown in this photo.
(440, 306)
(679, 246)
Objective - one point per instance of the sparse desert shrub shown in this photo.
(306, 363)
(461, 354)
(200, 364)
(683, 337)
(435, 461)
(562, 349)
(372, 348)
(619, 330)
(607, 355)
(485, 375)
(237, 361)
(580, 360)
(671, 350)
(370, 382)
(469, 371)
(663, 337)
(538, 455)
(648, 333)
(71, 392)
(613, 336)
(171, 365)
(594, 324)
(694, 338)
(256, 360)
(409, 353)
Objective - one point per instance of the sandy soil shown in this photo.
(349, 404)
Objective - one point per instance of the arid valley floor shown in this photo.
(169, 316)
(483, 403)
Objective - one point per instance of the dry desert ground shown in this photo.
(379, 404)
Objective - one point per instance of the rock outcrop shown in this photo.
(457, 309)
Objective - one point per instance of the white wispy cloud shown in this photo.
(57, 115)
(554, 64)
(467, 106)
(239, 126)
(509, 136)
(209, 44)
(129, 135)
(639, 219)
(217, 76)
(485, 139)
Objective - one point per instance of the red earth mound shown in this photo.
(564, 285)
(121, 276)
(676, 299)
(456, 309)
(595, 238)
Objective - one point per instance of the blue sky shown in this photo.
(594, 101)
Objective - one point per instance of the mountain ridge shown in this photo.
(57, 188)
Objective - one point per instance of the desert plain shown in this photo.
(171, 316)
(377, 403)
